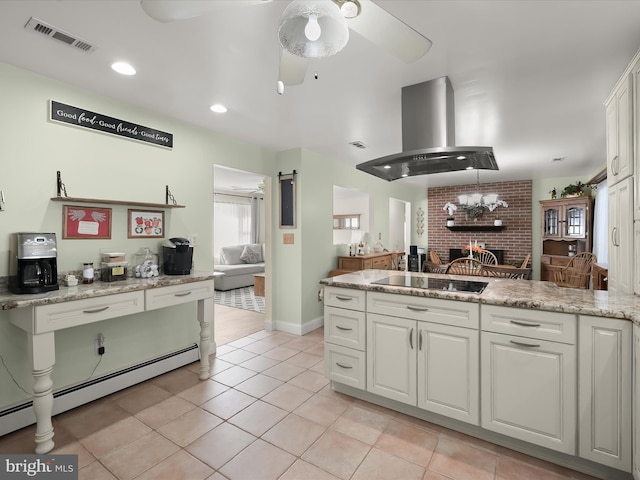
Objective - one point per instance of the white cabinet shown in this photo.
(529, 382)
(604, 404)
(448, 380)
(635, 79)
(621, 237)
(424, 352)
(636, 257)
(636, 402)
(344, 335)
(391, 358)
(619, 133)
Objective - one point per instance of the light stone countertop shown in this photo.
(10, 300)
(528, 294)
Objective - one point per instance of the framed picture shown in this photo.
(86, 222)
(145, 224)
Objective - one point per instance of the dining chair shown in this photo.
(525, 262)
(465, 266)
(577, 273)
(434, 257)
(431, 267)
(487, 258)
(506, 272)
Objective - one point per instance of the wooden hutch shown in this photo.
(566, 230)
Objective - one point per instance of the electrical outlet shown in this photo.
(99, 343)
(193, 239)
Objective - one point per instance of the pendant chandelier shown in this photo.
(475, 204)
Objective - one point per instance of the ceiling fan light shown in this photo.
(296, 21)
(350, 9)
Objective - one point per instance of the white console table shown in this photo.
(41, 315)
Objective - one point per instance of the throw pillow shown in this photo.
(249, 256)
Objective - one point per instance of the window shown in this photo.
(231, 222)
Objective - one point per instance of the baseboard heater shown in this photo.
(19, 416)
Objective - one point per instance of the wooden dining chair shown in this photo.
(506, 272)
(487, 258)
(577, 273)
(434, 257)
(431, 267)
(525, 262)
(465, 266)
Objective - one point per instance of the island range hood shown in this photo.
(428, 137)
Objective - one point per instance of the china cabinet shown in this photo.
(566, 230)
(346, 222)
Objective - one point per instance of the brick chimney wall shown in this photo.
(515, 238)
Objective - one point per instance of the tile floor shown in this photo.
(266, 413)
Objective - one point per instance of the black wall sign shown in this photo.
(96, 121)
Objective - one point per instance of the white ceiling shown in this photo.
(529, 77)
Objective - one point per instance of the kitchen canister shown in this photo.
(87, 272)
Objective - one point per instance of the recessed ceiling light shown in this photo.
(218, 108)
(387, 166)
(405, 175)
(557, 159)
(462, 157)
(123, 68)
(469, 168)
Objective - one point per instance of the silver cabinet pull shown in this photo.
(97, 310)
(525, 324)
(344, 299)
(343, 366)
(183, 294)
(411, 339)
(524, 344)
(417, 309)
(344, 328)
(420, 340)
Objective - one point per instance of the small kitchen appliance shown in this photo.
(177, 256)
(33, 263)
(417, 257)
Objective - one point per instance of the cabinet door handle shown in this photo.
(525, 324)
(420, 340)
(615, 165)
(524, 344)
(183, 294)
(340, 297)
(411, 339)
(97, 310)
(343, 366)
(343, 328)
(417, 309)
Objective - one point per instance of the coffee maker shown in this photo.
(33, 263)
(417, 257)
(177, 256)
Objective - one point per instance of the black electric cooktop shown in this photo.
(433, 283)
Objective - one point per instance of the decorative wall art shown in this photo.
(86, 222)
(145, 224)
(420, 222)
(287, 199)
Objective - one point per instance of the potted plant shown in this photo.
(576, 189)
(450, 208)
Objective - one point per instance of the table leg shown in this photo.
(42, 353)
(205, 319)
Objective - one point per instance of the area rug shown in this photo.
(241, 298)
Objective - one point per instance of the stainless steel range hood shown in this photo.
(428, 137)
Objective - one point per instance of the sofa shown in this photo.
(237, 265)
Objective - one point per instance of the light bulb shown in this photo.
(312, 31)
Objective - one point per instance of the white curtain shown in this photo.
(231, 222)
(600, 223)
(256, 233)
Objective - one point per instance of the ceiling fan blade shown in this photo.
(292, 68)
(380, 27)
(171, 10)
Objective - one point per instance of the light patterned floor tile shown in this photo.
(220, 445)
(294, 434)
(462, 461)
(288, 397)
(233, 376)
(362, 424)
(115, 436)
(322, 409)
(259, 385)
(302, 470)
(409, 442)
(258, 417)
(186, 428)
(259, 461)
(229, 403)
(379, 465)
(205, 390)
(312, 381)
(337, 454)
(179, 466)
(164, 411)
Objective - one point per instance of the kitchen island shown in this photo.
(41, 315)
(524, 364)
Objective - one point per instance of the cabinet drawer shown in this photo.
(345, 327)
(351, 263)
(177, 294)
(552, 326)
(345, 365)
(345, 298)
(48, 318)
(381, 263)
(447, 312)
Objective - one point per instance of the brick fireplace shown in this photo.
(515, 237)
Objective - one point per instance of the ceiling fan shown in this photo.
(311, 29)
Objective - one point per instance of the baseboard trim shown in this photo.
(21, 415)
(294, 328)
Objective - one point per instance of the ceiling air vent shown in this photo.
(358, 144)
(53, 32)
